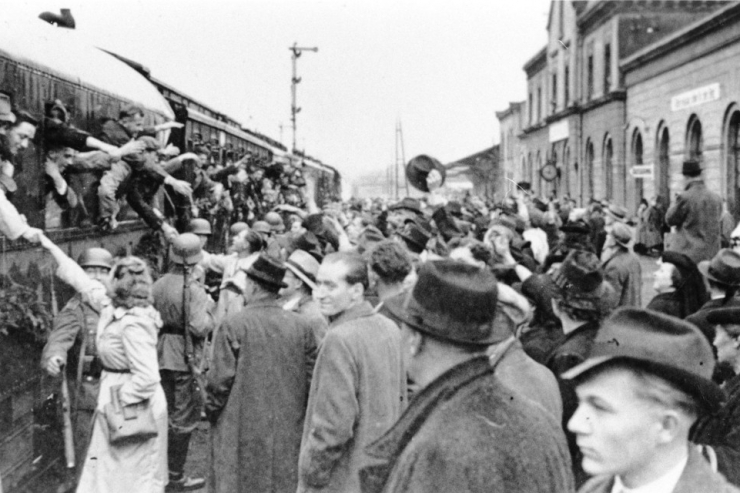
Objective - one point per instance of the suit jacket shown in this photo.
(696, 215)
(697, 477)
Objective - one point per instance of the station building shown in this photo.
(574, 136)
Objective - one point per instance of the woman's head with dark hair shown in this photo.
(130, 283)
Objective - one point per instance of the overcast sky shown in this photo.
(440, 67)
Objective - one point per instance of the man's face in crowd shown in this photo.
(63, 157)
(19, 136)
(662, 277)
(97, 273)
(133, 124)
(333, 293)
(239, 242)
(294, 284)
(614, 427)
(727, 346)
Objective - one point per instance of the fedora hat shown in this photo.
(724, 268)
(419, 168)
(304, 266)
(581, 280)
(616, 212)
(666, 346)
(622, 234)
(415, 237)
(451, 301)
(691, 167)
(407, 203)
(268, 270)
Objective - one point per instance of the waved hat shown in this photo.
(666, 346)
(408, 203)
(268, 270)
(275, 222)
(419, 168)
(415, 237)
(199, 226)
(451, 301)
(691, 167)
(724, 268)
(186, 249)
(622, 234)
(616, 212)
(238, 227)
(262, 227)
(304, 266)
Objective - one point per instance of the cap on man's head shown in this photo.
(451, 301)
(622, 234)
(200, 226)
(666, 346)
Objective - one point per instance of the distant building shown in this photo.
(479, 173)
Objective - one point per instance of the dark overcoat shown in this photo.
(468, 432)
(721, 431)
(697, 477)
(258, 386)
(696, 215)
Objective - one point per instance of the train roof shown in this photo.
(64, 54)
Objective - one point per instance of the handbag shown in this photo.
(132, 423)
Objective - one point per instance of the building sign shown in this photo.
(558, 131)
(643, 171)
(695, 97)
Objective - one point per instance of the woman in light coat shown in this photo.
(127, 348)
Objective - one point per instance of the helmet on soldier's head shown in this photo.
(186, 249)
(96, 257)
(238, 227)
(199, 226)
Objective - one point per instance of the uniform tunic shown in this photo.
(127, 340)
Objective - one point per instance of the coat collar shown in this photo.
(695, 184)
(363, 309)
(264, 302)
(386, 450)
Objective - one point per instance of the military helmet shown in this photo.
(186, 249)
(96, 257)
(238, 227)
(199, 226)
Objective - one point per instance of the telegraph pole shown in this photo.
(294, 109)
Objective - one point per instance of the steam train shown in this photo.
(39, 64)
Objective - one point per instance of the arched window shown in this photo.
(637, 160)
(588, 170)
(732, 160)
(664, 163)
(608, 167)
(694, 139)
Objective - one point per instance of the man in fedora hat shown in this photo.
(465, 431)
(359, 385)
(636, 406)
(695, 215)
(414, 238)
(177, 355)
(722, 276)
(258, 386)
(621, 266)
(721, 430)
(297, 296)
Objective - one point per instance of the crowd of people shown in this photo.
(425, 344)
